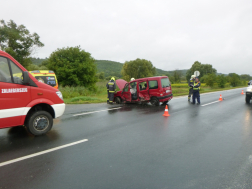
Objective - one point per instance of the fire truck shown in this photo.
(24, 101)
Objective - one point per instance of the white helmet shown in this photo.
(193, 76)
(132, 79)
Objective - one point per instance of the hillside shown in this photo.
(37, 61)
(112, 68)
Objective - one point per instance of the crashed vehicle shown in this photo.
(151, 89)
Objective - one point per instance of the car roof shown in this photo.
(150, 78)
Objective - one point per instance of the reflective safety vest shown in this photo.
(190, 84)
(111, 86)
(196, 86)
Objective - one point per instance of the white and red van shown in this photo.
(26, 101)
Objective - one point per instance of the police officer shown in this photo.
(190, 84)
(196, 89)
(111, 86)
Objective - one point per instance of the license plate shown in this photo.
(167, 91)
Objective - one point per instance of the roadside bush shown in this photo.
(234, 79)
(210, 79)
(73, 67)
(221, 80)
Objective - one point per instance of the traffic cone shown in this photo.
(220, 99)
(242, 92)
(166, 113)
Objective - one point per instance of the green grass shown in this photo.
(82, 95)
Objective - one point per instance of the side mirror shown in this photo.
(26, 78)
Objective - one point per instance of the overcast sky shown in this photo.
(171, 34)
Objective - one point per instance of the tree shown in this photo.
(138, 68)
(18, 41)
(210, 79)
(221, 80)
(245, 77)
(177, 76)
(234, 79)
(73, 67)
(204, 69)
(100, 75)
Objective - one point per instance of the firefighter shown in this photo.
(111, 86)
(190, 84)
(196, 89)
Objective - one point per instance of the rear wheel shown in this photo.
(39, 123)
(154, 101)
(247, 99)
(118, 100)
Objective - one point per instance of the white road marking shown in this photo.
(96, 111)
(41, 153)
(201, 94)
(210, 103)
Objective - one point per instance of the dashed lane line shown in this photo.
(41, 153)
(84, 113)
(210, 103)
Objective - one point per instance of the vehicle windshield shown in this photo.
(49, 80)
(165, 82)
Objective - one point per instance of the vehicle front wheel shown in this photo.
(154, 101)
(165, 102)
(247, 99)
(39, 123)
(118, 100)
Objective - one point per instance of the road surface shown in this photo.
(134, 146)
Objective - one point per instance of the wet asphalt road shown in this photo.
(134, 146)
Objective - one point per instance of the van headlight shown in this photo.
(249, 89)
(59, 95)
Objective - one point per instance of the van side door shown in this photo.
(126, 95)
(143, 88)
(14, 96)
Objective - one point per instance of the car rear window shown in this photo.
(165, 82)
(153, 84)
(49, 80)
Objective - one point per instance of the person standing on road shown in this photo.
(111, 86)
(190, 84)
(196, 89)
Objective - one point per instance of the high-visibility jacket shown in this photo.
(111, 86)
(196, 86)
(190, 83)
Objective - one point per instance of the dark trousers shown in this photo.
(108, 96)
(111, 97)
(196, 94)
(190, 93)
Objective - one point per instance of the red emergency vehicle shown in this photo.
(151, 89)
(26, 101)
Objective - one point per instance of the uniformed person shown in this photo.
(111, 86)
(190, 84)
(196, 89)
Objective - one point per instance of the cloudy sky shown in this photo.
(171, 34)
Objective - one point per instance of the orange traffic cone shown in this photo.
(242, 92)
(220, 99)
(166, 113)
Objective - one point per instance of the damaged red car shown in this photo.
(151, 89)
